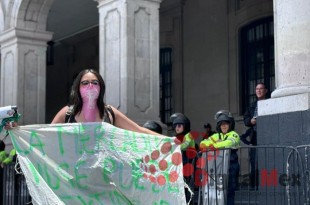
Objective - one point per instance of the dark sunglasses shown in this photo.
(86, 82)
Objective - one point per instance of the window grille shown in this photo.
(257, 59)
(165, 84)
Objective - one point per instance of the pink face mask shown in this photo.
(90, 94)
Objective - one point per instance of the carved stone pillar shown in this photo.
(292, 58)
(23, 72)
(292, 40)
(284, 119)
(129, 56)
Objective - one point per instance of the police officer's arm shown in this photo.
(233, 140)
(188, 141)
(9, 159)
(2, 156)
(208, 142)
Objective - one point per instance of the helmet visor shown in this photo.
(222, 112)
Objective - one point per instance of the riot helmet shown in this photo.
(175, 115)
(224, 115)
(154, 126)
(182, 119)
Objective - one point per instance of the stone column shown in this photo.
(292, 47)
(23, 72)
(292, 58)
(284, 118)
(129, 56)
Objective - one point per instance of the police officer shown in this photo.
(182, 127)
(208, 131)
(226, 137)
(4, 157)
(154, 126)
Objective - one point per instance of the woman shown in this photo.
(87, 105)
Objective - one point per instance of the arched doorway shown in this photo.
(75, 46)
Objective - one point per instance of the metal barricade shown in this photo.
(273, 176)
(214, 177)
(266, 175)
(14, 189)
(304, 152)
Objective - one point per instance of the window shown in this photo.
(257, 59)
(165, 84)
(50, 53)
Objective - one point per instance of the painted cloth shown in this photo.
(97, 163)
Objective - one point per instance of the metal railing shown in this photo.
(275, 176)
(266, 175)
(13, 189)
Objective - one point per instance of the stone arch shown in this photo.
(30, 14)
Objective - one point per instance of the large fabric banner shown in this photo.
(97, 163)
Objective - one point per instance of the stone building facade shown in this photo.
(160, 57)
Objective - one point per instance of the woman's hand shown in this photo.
(10, 125)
